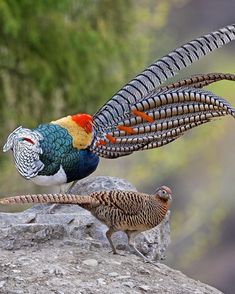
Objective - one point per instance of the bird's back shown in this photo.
(128, 210)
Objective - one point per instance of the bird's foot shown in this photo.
(117, 253)
(146, 260)
(51, 209)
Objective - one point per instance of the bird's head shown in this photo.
(164, 193)
(25, 145)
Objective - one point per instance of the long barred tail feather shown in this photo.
(160, 119)
(162, 127)
(180, 96)
(49, 198)
(157, 141)
(165, 133)
(123, 151)
(158, 72)
(198, 81)
(175, 134)
(168, 111)
(143, 115)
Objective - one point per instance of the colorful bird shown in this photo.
(142, 115)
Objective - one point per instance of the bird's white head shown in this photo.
(25, 145)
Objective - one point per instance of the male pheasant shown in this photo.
(142, 115)
(127, 211)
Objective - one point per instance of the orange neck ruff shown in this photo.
(79, 126)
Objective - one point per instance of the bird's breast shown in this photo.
(58, 178)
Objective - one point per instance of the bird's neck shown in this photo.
(79, 126)
(163, 203)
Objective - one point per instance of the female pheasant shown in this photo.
(142, 115)
(127, 211)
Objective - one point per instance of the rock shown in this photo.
(123, 277)
(113, 274)
(26, 235)
(76, 226)
(90, 262)
(7, 219)
(144, 271)
(101, 281)
(2, 283)
(129, 284)
(93, 184)
(144, 287)
(19, 278)
(16, 271)
(55, 269)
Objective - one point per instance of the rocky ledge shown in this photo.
(74, 225)
(63, 250)
(66, 269)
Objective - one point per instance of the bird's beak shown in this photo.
(170, 197)
(5, 148)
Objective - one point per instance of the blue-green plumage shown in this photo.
(58, 150)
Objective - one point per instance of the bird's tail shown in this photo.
(198, 81)
(159, 119)
(49, 198)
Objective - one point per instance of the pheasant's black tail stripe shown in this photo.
(158, 72)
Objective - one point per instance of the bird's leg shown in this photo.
(51, 208)
(131, 242)
(108, 235)
(71, 186)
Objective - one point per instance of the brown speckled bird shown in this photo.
(127, 211)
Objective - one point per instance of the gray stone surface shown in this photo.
(76, 226)
(73, 270)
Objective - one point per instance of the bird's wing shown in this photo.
(159, 119)
(129, 202)
(158, 72)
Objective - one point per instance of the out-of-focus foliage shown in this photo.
(58, 57)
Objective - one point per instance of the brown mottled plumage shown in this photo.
(127, 211)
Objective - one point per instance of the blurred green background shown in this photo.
(63, 57)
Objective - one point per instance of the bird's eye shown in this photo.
(163, 192)
(27, 140)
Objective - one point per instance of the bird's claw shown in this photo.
(117, 253)
(146, 260)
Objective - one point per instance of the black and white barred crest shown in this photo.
(25, 145)
(158, 72)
